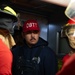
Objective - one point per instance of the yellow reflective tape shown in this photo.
(67, 24)
(10, 10)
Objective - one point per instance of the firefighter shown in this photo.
(69, 59)
(7, 19)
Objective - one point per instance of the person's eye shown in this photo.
(70, 34)
(35, 32)
(29, 32)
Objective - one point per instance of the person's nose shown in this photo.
(32, 34)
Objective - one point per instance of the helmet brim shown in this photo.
(5, 14)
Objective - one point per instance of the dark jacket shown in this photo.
(47, 63)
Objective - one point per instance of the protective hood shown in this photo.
(7, 24)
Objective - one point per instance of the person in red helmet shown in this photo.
(70, 33)
(69, 59)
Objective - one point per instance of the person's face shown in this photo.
(71, 37)
(31, 37)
